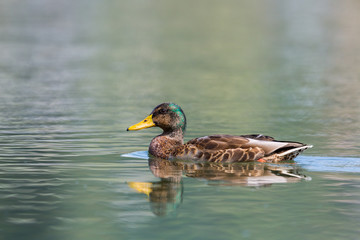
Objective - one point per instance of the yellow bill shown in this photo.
(146, 123)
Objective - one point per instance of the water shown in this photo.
(75, 74)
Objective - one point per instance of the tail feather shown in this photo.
(293, 150)
(286, 155)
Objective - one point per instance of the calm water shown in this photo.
(75, 74)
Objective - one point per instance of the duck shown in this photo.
(213, 148)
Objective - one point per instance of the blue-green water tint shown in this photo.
(75, 74)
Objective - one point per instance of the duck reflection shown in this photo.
(166, 195)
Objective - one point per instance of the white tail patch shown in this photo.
(298, 149)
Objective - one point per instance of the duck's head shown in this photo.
(167, 116)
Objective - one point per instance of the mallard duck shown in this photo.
(215, 148)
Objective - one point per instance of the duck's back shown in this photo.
(229, 148)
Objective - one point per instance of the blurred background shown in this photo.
(234, 66)
(75, 74)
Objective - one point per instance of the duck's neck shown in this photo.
(175, 134)
(166, 144)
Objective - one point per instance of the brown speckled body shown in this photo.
(164, 147)
(224, 148)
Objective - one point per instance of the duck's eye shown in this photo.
(162, 111)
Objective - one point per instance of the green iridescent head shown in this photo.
(167, 116)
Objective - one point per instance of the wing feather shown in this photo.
(229, 148)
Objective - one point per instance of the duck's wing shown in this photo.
(229, 148)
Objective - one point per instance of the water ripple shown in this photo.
(329, 164)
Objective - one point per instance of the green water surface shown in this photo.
(75, 74)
